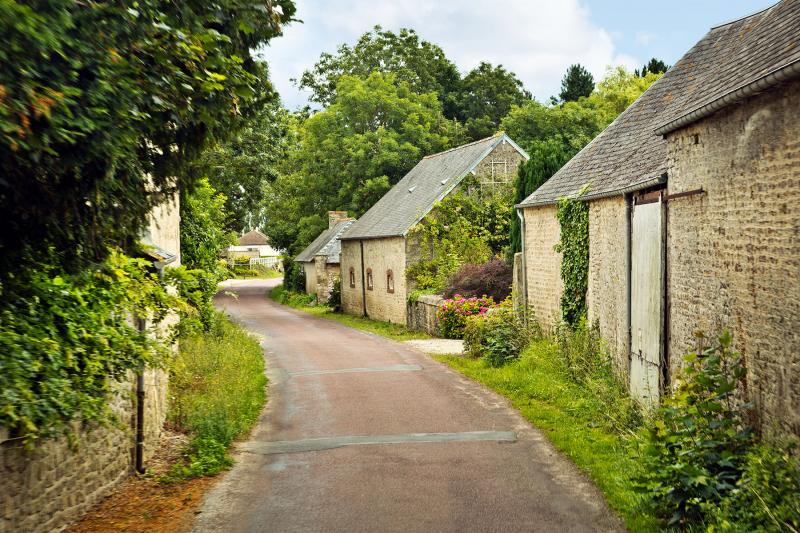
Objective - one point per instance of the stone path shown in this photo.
(365, 434)
(438, 346)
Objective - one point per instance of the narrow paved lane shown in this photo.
(365, 434)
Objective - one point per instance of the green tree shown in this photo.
(102, 104)
(574, 123)
(240, 167)
(487, 95)
(654, 66)
(203, 235)
(421, 64)
(577, 82)
(347, 156)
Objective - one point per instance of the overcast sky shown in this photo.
(536, 39)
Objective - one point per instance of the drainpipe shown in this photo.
(628, 291)
(139, 461)
(524, 280)
(363, 281)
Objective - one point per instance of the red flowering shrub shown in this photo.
(453, 314)
(488, 279)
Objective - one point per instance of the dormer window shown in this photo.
(369, 279)
(352, 278)
(390, 281)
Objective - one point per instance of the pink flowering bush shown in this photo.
(453, 314)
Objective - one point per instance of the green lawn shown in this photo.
(305, 303)
(574, 419)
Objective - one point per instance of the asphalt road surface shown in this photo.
(361, 433)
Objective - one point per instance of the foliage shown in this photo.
(65, 338)
(766, 496)
(217, 388)
(498, 336)
(461, 229)
(546, 158)
(493, 279)
(576, 83)
(421, 64)
(454, 312)
(103, 104)
(580, 421)
(244, 165)
(573, 124)
(654, 66)
(618, 90)
(294, 277)
(195, 287)
(203, 235)
(347, 156)
(698, 444)
(335, 298)
(291, 298)
(487, 94)
(573, 217)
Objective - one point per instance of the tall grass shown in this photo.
(218, 388)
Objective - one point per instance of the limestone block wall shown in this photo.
(543, 264)
(734, 252)
(607, 295)
(382, 255)
(422, 314)
(50, 487)
(310, 272)
(324, 274)
(352, 301)
(505, 160)
(164, 226)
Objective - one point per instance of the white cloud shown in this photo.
(536, 39)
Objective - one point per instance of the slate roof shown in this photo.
(405, 204)
(327, 243)
(629, 155)
(253, 238)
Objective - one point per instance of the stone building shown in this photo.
(254, 245)
(52, 486)
(693, 199)
(376, 250)
(320, 259)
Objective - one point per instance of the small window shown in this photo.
(369, 279)
(389, 281)
(352, 278)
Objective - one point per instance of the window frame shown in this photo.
(370, 281)
(390, 281)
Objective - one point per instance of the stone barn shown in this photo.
(694, 215)
(376, 250)
(320, 259)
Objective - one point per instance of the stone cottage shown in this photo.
(255, 245)
(693, 215)
(320, 259)
(376, 250)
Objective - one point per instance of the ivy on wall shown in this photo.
(573, 216)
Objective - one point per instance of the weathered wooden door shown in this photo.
(647, 298)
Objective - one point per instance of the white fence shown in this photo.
(266, 262)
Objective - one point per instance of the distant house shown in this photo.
(694, 215)
(376, 250)
(320, 259)
(255, 245)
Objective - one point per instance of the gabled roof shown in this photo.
(631, 153)
(428, 182)
(253, 238)
(327, 243)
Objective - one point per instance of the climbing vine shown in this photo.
(573, 216)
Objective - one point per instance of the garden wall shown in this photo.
(543, 263)
(422, 314)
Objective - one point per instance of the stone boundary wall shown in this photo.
(52, 486)
(422, 314)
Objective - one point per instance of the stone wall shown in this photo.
(352, 300)
(543, 264)
(50, 487)
(380, 256)
(496, 172)
(310, 274)
(607, 296)
(734, 252)
(422, 314)
(325, 274)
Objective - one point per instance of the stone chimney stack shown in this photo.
(334, 217)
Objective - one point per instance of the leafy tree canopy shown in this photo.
(654, 66)
(102, 104)
(487, 95)
(203, 234)
(347, 156)
(577, 82)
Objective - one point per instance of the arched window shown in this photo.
(352, 278)
(390, 281)
(369, 279)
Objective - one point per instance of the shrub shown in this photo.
(285, 296)
(766, 497)
(294, 278)
(491, 279)
(498, 335)
(453, 314)
(335, 298)
(696, 449)
(581, 350)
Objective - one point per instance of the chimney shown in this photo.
(334, 217)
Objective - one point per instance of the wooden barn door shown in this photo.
(647, 297)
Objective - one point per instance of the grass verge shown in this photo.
(218, 389)
(307, 304)
(575, 419)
